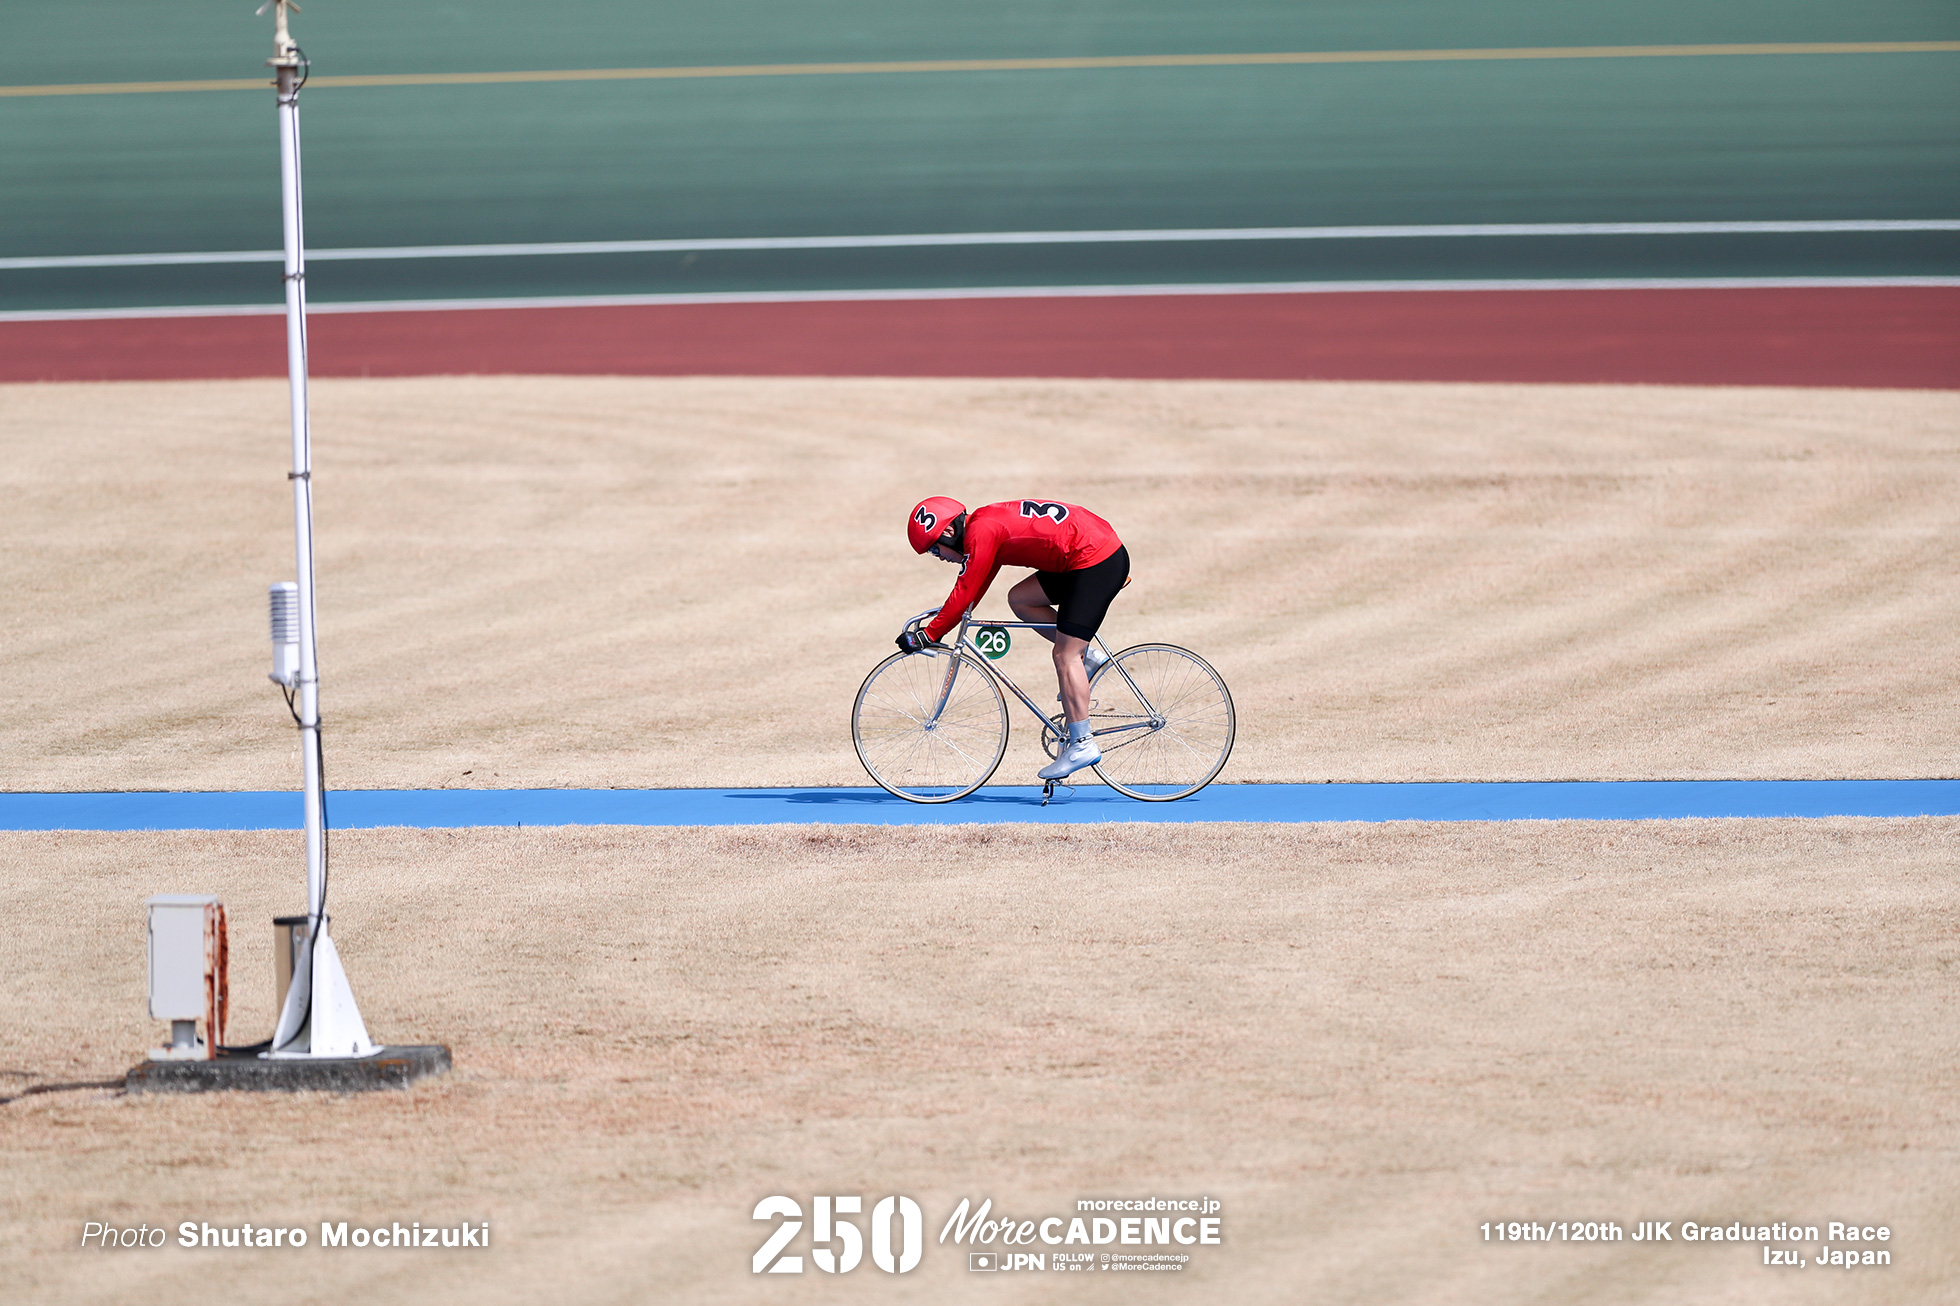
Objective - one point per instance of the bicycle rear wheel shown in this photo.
(1164, 721)
(912, 754)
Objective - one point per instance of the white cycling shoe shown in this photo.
(1081, 753)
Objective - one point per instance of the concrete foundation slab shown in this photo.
(390, 1067)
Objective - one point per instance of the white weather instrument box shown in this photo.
(187, 971)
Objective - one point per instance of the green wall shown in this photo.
(1730, 137)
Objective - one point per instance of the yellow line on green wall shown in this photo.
(1005, 66)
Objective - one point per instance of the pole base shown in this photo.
(388, 1067)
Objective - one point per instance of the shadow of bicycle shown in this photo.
(1001, 797)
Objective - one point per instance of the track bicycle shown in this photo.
(931, 726)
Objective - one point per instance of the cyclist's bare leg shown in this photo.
(1072, 676)
(1030, 603)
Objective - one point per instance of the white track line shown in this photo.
(980, 292)
(972, 238)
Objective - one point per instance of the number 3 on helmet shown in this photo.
(930, 520)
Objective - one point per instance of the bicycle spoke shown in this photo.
(960, 749)
(1170, 722)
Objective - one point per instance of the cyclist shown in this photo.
(1080, 565)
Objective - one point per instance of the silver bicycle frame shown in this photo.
(964, 643)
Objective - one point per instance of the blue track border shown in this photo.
(1585, 800)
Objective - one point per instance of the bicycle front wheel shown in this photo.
(1164, 721)
(917, 749)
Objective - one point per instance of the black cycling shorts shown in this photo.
(1082, 598)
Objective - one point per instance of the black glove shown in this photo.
(913, 641)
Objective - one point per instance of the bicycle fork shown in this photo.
(952, 672)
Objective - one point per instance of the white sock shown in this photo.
(1078, 731)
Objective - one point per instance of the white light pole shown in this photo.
(320, 1018)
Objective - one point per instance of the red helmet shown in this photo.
(930, 520)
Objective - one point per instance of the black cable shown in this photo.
(320, 764)
(35, 1089)
(326, 828)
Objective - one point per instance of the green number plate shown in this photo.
(993, 641)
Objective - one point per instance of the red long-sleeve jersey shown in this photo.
(1038, 533)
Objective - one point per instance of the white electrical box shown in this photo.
(187, 970)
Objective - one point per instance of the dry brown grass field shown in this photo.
(1366, 1041)
(643, 582)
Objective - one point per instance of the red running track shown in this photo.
(1902, 337)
